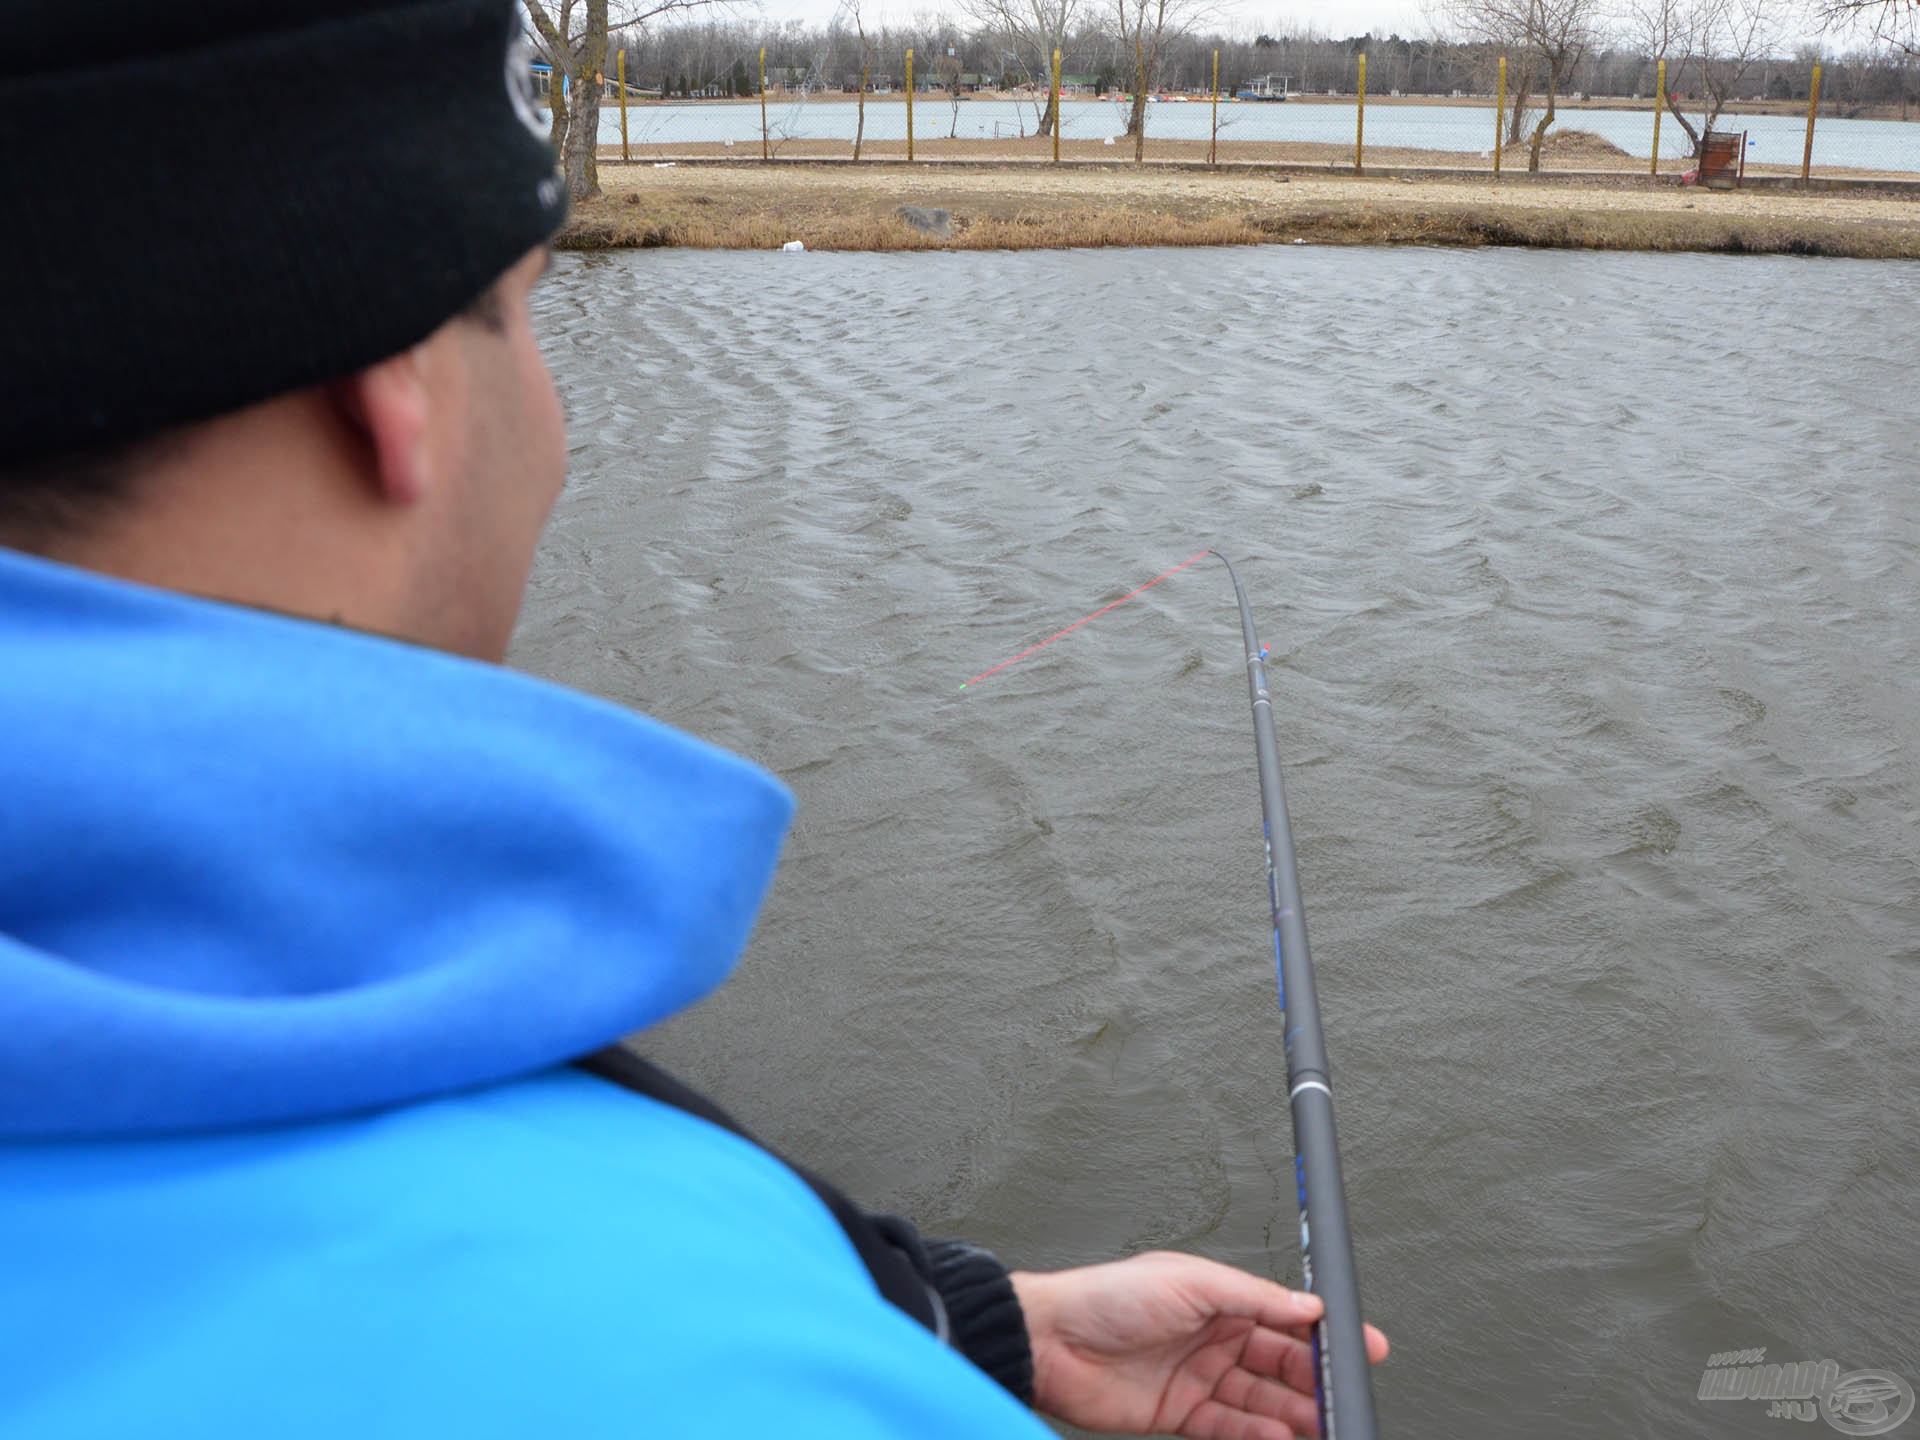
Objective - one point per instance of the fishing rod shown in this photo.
(1343, 1384)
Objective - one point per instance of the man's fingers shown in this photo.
(1289, 1359)
(1289, 1356)
(1274, 1352)
(1376, 1345)
(1377, 1348)
(1212, 1420)
(1261, 1395)
(1223, 1290)
(1227, 1291)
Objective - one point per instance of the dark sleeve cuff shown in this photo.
(987, 1324)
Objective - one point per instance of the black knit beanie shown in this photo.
(204, 205)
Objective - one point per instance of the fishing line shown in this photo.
(1343, 1385)
(1031, 649)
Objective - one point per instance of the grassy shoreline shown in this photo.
(1020, 206)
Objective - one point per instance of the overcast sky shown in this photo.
(1337, 18)
(1334, 18)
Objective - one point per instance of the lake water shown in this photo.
(1774, 139)
(1591, 583)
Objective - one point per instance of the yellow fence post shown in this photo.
(909, 105)
(766, 151)
(1659, 104)
(1500, 118)
(625, 154)
(1813, 104)
(1056, 107)
(1213, 142)
(1360, 119)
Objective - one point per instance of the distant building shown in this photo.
(1268, 87)
(968, 84)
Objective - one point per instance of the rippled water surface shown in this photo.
(1591, 585)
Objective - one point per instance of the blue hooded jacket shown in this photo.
(296, 926)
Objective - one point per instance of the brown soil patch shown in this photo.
(1576, 149)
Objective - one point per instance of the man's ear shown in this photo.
(388, 406)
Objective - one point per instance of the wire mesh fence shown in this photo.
(959, 116)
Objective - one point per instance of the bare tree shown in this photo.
(1037, 28)
(949, 67)
(1144, 30)
(1711, 44)
(1552, 36)
(572, 35)
(869, 47)
(1892, 23)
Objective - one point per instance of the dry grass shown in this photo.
(1022, 208)
(1601, 230)
(703, 223)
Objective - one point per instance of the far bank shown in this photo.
(1023, 205)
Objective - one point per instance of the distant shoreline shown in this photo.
(1829, 109)
(1022, 204)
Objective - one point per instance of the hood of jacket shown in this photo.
(255, 869)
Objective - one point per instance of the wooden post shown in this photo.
(766, 150)
(1813, 104)
(1213, 143)
(1360, 119)
(1500, 118)
(909, 106)
(1659, 104)
(1056, 107)
(625, 154)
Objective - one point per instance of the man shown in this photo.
(316, 926)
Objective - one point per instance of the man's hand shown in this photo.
(1167, 1344)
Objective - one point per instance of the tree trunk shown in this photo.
(1696, 138)
(1047, 116)
(552, 32)
(860, 124)
(557, 105)
(1137, 122)
(583, 136)
(583, 106)
(1540, 130)
(1522, 93)
(1716, 102)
